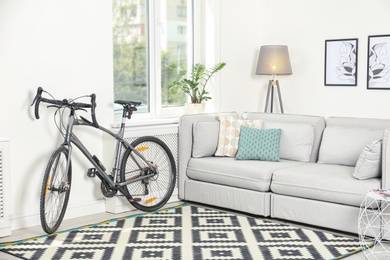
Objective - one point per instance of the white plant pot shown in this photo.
(194, 108)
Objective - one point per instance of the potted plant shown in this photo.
(195, 86)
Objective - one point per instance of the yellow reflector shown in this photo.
(47, 184)
(150, 200)
(142, 148)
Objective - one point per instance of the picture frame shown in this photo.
(341, 66)
(378, 62)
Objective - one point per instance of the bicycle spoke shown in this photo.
(54, 203)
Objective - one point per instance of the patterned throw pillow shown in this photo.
(259, 144)
(229, 134)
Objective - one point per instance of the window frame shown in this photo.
(155, 27)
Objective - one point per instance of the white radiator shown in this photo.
(168, 133)
(5, 223)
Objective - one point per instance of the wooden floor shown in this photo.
(96, 218)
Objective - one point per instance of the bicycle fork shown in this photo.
(63, 185)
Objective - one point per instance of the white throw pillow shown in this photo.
(205, 138)
(369, 162)
(296, 141)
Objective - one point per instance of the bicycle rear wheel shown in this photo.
(55, 190)
(150, 193)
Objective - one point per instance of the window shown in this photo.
(152, 46)
(181, 29)
(181, 10)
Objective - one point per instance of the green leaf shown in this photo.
(195, 85)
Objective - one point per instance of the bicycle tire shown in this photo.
(55, 190)
(151, 193)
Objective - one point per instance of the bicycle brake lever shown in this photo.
(38, 95)
(52, 106)
(93, 113)
(82, 109)
(37, 101)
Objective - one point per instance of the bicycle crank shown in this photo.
(107, 190)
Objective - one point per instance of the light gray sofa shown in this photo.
(316, 185)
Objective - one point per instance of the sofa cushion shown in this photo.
(259, 144)
(324, 182)
(253, 175)
(229, 133)
(296, 141)
(343, 145)
(205, 138)
(317, 122)
(369, 162)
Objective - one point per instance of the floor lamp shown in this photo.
(273, 60)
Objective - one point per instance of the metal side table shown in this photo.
(374, 224)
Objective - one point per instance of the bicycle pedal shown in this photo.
(135, 200)
(91, 173)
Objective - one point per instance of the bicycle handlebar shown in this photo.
(65, 103)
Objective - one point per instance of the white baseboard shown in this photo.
(5, 231)
(86, 209)
(73, 211)
(117, 204)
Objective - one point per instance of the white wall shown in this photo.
(303, 25)
(65, 47)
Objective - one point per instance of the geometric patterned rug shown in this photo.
(185, 232)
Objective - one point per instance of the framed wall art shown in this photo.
(378, 62)
(341, 62)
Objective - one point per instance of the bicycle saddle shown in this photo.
(124, 102)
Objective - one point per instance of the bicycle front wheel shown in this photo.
(55, 190)
(150, 193)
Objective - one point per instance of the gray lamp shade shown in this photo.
(273, 60)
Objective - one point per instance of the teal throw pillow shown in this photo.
(259, 144)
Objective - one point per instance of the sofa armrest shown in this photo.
(185, 144)
(386, 159)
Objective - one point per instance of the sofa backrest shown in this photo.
(344, 138)
(292, 123)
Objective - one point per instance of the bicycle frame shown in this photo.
(136, 165)
(70, 138)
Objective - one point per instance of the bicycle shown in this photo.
(143, 171)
